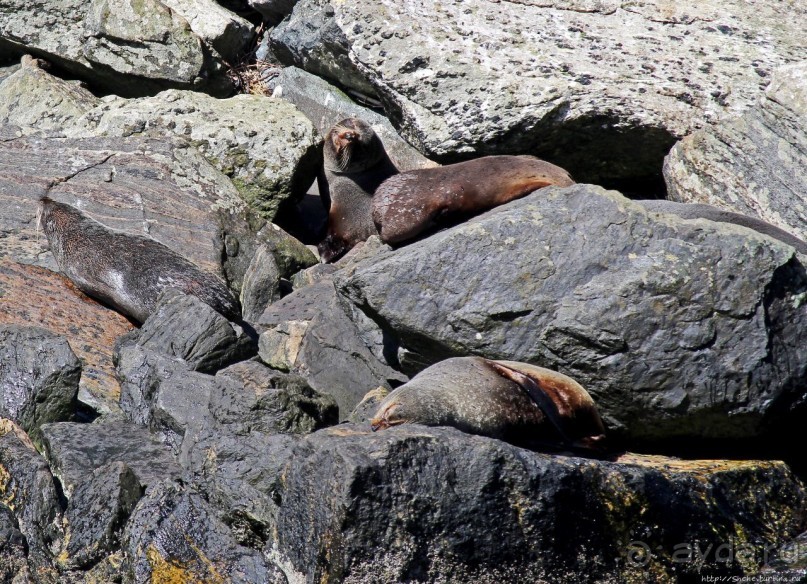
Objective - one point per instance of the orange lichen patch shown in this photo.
(169, 571)
(34, 296)
(701, 467)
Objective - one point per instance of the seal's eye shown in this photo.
(350, 136)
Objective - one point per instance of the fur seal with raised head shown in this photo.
(127, 272)
(516, 402)
(355, 163)
(711, 213)
(408, 204)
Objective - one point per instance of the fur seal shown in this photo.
(516, 402)
(412, 202)
(127, 272)
(355, 163)
(704, 211)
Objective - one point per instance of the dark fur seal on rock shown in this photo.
(704, 211)
(127, 272)
(516, 402)
(355, 163)
(408, 204)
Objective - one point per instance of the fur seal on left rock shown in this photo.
(127, 272)
(408, 204)
(355, 163)
(516, 402)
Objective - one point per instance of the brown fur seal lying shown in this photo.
(516, 402)
(704, 211)
(355, 163)
(408, 204)
(127, 272)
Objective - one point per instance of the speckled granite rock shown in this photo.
(755, 164)
(602, 88)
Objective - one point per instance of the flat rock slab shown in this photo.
(418, 504)
(76, 450)
(601, 88)
(160, 188)
(30, 294)
(676, 327)
(755, 164)
(266, 146)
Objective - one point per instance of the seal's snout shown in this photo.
(378, 424)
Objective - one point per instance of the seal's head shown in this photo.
(352, 146)
(391, 413)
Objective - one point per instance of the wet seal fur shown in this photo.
(711, 213)
(127, 272)
(355, 164)
(516, 402)
(412, 202)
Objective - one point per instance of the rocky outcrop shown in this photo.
(311, 333)
(261, 284)
(465, 79)
(29, 294)
(126, 47)
(754, 164)
(268, 149)
(312, 40)
(677, 328)
(38, 377)
(417, 504)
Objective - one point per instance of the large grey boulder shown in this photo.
(755, 164)
(254, 417)
(312, 333)
(173, 536)
(39, 376)
(126, 47)
(267, 147)
(676, 327)
(470, 78)
(417, 504)
(224, 31)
